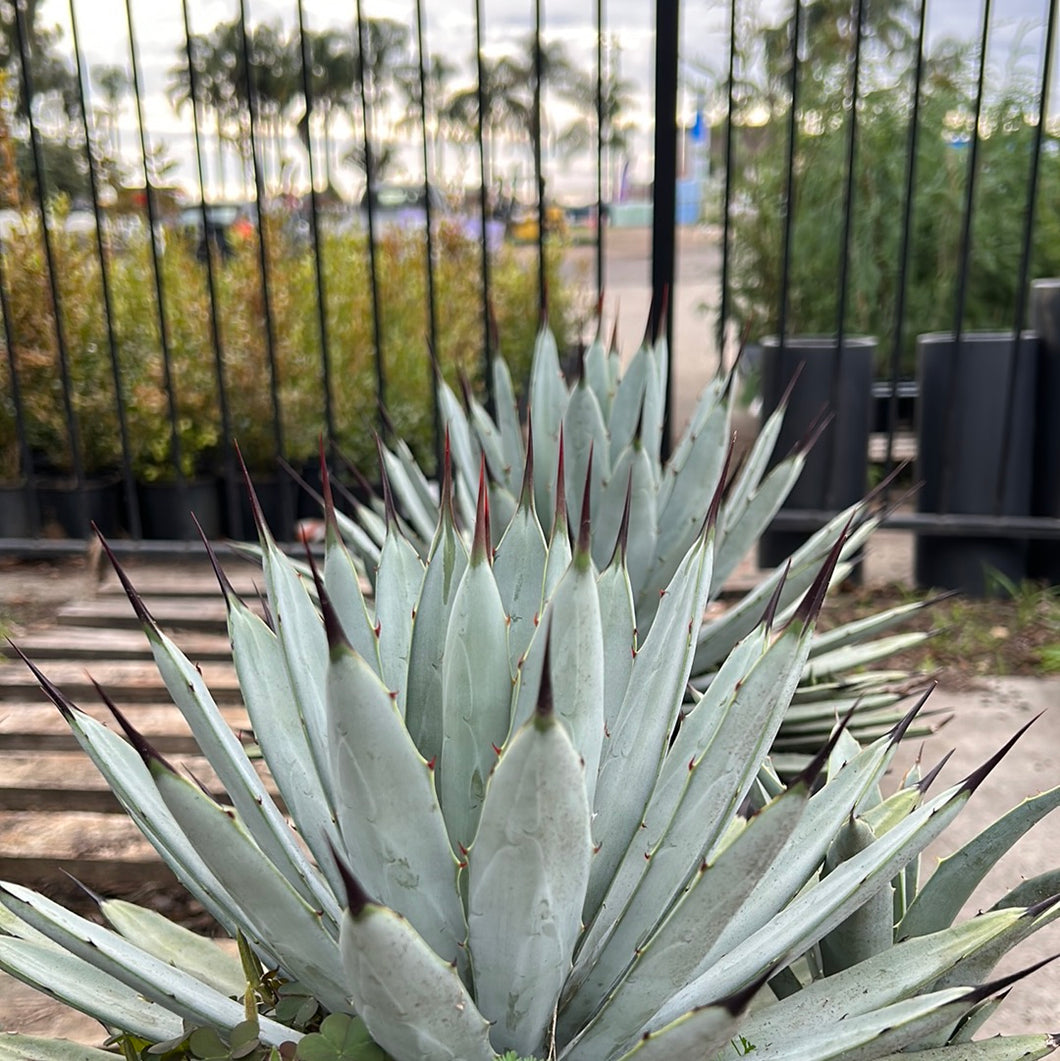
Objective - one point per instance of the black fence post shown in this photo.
(664, 208)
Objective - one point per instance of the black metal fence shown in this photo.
(864, 173)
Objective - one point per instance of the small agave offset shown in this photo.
(509, 829)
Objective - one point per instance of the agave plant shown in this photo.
(509, 835)
(609, 427)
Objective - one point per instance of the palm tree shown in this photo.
(332, 76)
(115, 84)
(616, 97)
(438, 76)
(382, 50)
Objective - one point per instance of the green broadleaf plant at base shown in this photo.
(556, 852)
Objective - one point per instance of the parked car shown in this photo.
(227, 226)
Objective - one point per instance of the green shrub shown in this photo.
(195, 371)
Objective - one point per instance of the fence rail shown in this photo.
(864, 175)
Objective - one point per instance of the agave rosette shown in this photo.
(508, 828)
(617, 418)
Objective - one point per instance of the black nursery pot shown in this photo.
(70, 507)
(166, 510)
(975, 430)
(831, 379)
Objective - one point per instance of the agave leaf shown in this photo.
(679, 829)
(869, 930)
(241, 781)
(464, 446)
(519, 568)
(802, 854)
(354, 531)
(670, 955)
(654, 409)
(445, 568)
(743, 519)
(77, 983)
(420, 514)
(412, 1002)
(279, 728)
(756, 463)
(957, 875)
(576, 662)
(880, 981)
(634, 747)
(131, 783)
(124, 961)
(999, 1048)
(492, 446)
(619, 630)
(397, 590)
(817, 910)
(628, 403)
(425, 491)
(305, 949)
(841, 660)
(344, 588)
(528, 872)
(559, 555)
(870, 1035)
(548, 403)
(643, 523)
(511, 430)
(584, 440)
(860, 629)
(681, 508)
(177, 946)
(717, 638)
(398, 847)
(305, 647)
(977, 967)
(476, 698)
(699, 1033)
(15, 1047)
(597, 375)
(708, 405)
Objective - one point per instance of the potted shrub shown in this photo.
(971, 390)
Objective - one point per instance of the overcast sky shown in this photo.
(1016, 31)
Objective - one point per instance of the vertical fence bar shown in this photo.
(603, 130)
(964, 260)
(432, 308)
(156, 265)
(664, 209)
(539, 175)
(789, 184)
(844, 250)
(131, 507)
(231, 497)
(286, 505)
(726, 220)
(483, 193)
(25, 454)
(1026, 250)
(72, 426)
(906, 239)
(369, 198)
(318, 258)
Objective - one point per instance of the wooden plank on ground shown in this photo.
(91, 644)
(39, 726)
(100, 850)
(125, 680)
